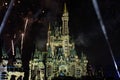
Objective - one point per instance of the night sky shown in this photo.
(83, 25)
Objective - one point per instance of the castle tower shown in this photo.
(48, 39)
(65, 32)
(65, 19)
(61, 56)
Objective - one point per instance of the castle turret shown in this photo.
(65, 19)
(48, 39)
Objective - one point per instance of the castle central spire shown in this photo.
(65, 19)
(65, 8)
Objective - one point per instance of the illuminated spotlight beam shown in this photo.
(37, 13)
(6, 15)
(105, 34)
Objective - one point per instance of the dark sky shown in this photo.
(83, 25)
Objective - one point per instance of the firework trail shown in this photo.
(13, 53)
(23, 34)
(26, 24)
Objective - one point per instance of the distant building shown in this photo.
(14, 71)
(61, 58)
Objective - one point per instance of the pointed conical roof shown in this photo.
(65, 8)
(49, 26)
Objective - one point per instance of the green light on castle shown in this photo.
(61, 57)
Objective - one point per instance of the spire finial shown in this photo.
(49, 26)
(65, 8)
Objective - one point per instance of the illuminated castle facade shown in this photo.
(61, 58)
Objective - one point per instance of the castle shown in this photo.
(61, 58)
